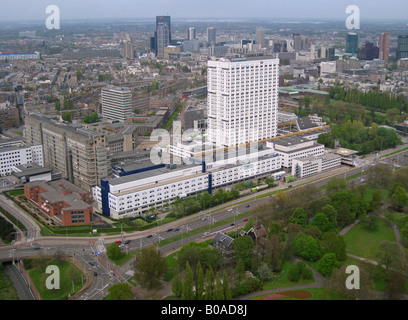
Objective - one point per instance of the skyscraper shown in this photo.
(402, 47)
(242, 99)
(352, 43)
(191, 34)
(211, 36)
(163, 34)
(383, 46)
(81, 155)
(297, 42)
(368, 52)
(128, 50)
(260, 37)
(116, 103)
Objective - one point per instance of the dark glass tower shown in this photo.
(402, 48)
(352, 43)
(163, 34)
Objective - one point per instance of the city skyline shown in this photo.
(26, 10)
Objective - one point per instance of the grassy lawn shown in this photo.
(172, 264)
(282, 280)
(364, 243)
(70, 280)
(369, 194)
(7, 290)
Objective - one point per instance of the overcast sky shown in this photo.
(95, 9)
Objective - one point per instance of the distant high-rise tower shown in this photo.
(402, 47)
(163, 34)
(242, 111)
(128, 50)
(368, 52)
(297, 42)
(211, 37)
(383, 46)
(191, 34)
(116, 103)
(260, 37)
(352, 43)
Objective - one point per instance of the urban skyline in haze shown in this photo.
(25, 10)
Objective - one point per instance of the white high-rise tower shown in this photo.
(116, 103)
(242, 99)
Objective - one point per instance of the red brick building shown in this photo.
(64, 202)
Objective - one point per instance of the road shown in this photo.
(22, 289)
(33, 230)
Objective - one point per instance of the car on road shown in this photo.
(246, 219)
(205, 233)
(149, 236)
(229, 210)
(232, 224)
(290, 186)
(127, 242)
(95, 273)
(177, 229)
(91, 263)
(118, 241)
(205, 218)
(168, 230)
(37, 248)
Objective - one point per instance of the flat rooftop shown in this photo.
(54, 193)
(150, 173)
(31, 169)
(326, 156)
(290, 141)
(345, 152)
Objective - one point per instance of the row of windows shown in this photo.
(78, 221)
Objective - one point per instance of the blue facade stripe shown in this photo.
(105, 197)
(210, 183)
(127, 173)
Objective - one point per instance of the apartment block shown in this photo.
(158, 185)
(290, 148)
(242, 99)
(61, 200)
(81, 155)
(310, 165)
(10, 157)
(116, 103)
